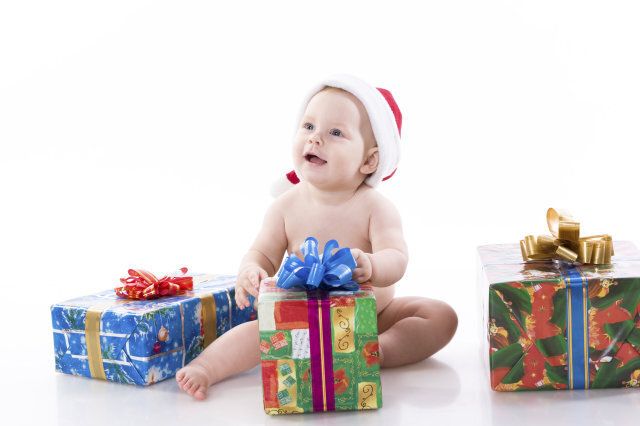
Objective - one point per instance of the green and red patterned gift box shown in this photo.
(319, 350)
(559, 325)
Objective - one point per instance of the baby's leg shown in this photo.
(414, 328)
(234, 352)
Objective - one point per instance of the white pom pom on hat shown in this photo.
(386, 122)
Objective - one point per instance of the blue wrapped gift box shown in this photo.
(142, 342)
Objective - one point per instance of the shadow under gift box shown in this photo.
(319, 350)
(142, 342)
(557, 325)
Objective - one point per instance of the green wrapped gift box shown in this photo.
(319, 350)
(559, 325)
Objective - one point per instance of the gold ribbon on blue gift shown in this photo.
(93, 321)
(565, 244)
(209, 319)
(92, 336)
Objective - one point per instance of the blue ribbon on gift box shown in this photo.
(577, 328)
(324, 272)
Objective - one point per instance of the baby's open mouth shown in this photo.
(314, 159)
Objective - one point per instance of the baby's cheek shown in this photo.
(346, 165)
(297, 159)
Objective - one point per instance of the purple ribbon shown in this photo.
(321, 352)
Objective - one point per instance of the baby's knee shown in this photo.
(443, 316)
(449, 320)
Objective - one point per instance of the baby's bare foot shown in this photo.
(194, 380)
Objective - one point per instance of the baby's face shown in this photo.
(333, 140)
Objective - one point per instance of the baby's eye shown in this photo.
(308, 126)
(336, 132)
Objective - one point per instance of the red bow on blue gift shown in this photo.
(141, 284)
(326, 272)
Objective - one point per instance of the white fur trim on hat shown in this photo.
(280, 186)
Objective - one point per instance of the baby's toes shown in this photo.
(181, 384)
(200, 393)
(188, 385)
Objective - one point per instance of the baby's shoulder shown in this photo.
(374, 200)
(287, 200)
(381, 209)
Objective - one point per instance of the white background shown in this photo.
(147, 134)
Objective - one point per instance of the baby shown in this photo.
(346, 143)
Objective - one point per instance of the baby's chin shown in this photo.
(316, 172)
(315, 178)
(327, 183)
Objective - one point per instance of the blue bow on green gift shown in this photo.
(326, 272)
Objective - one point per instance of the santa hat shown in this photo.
(385, 119)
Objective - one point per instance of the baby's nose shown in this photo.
(315, 139)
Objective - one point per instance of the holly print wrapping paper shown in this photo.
(558, 325)
(138, 341)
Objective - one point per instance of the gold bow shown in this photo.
(566, 244)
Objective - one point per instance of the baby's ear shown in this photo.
(371, 161)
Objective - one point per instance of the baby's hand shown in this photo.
(363, 270)
(248, 281)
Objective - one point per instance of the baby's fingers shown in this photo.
(252, 290)
(241, 298)
(359, 275)
(263, 275)
(356, 254)
(268, 280)
(254, 278)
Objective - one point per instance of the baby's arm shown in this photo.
(264, 257)
(389, 255)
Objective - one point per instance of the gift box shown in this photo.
(560, 325)
(319, 350)
(143, 341)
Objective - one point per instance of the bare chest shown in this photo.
(348, 225)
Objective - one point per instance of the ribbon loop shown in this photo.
(326, 272)
(141, 284)
(566, 243)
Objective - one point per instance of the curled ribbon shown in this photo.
(326, 272)
(565, 243)
(141, 284)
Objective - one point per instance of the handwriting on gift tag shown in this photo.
(343, 318)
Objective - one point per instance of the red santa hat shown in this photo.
(385, 118)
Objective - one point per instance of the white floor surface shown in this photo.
(450, 388)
